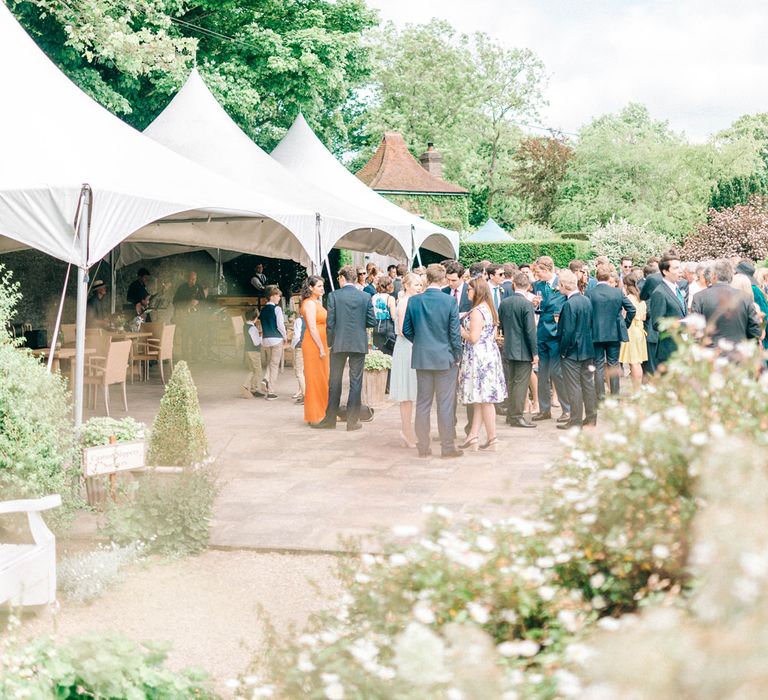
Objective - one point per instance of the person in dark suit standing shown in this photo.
(730, 314)
(666, 301)
(457, 287)
(574, 338)
(651, 279)
(350, 312)
(517, 321)
(431, 323)
(550, 302)
(510, 269)
(609, 329)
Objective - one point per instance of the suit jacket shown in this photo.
(730, 315)
(663, 304)
(431, 323)
(683, 285)
(509, 289)
(518, 323)
(608, 325)
(465, 305)
(551, 303)
(350, 312)
(574, 330)
(649, 284)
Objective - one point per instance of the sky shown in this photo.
(698, 64)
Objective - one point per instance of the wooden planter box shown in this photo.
(374, 387)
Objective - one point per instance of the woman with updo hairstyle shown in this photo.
(314, 349)
(402, 387)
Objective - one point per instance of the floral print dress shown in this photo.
(481, 374)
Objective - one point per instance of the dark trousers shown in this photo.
(649, 366)
(607, 354)
(580, 385)
(550, 371)
(440, 385)
(338, 361)
(518, 377)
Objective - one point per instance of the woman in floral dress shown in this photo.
(481, 374)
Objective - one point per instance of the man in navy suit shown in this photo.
(457, 287)
(550, 303)
(666, 301)
(574, 337)
(350, 312)
(431, 323)
(609, 329)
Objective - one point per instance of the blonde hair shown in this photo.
(742, 283)
(410, 279)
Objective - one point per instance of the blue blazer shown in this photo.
(431, 323)
(575, 329)
(465, 305)
(551, 303)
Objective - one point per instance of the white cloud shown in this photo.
(698, 63)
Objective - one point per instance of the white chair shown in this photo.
(28, 571)
(113, 369)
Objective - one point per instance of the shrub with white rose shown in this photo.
(611, 530)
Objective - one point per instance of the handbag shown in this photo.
(385, 328)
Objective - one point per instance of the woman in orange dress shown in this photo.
(314, 347)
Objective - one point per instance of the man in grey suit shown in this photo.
(517, 321)
(350, 312)
(730, 314)
(666, 301)
(431, 323)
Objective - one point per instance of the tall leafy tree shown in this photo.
(631, 166)
(465, 93)
(265, 60)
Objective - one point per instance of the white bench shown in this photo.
(28, 571)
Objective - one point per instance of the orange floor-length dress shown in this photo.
(316, 368)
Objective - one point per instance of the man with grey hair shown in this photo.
(729, 313)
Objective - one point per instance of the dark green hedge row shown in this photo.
(574, 236)
(562, 252)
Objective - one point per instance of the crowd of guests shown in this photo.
(500, 339)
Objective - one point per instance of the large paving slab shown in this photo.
(288, 487)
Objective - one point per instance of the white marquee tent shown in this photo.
(63, 153)
(306, 157)
(195, 125)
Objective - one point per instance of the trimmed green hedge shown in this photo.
(575, 236)
(562, 252)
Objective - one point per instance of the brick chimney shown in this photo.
(432, 161)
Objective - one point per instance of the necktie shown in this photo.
(496, 296)
(680, 298)
(456, 295)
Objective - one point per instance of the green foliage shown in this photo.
(465, 94)
(738, 190)
(265, 60)
(168, 513)
(530, 231)
(94, 666)
(377, 360)
(37, 445)
(178, 433)
(562, 252)
(618, 239)
(449, 211)
(86, 576)
(345, 258)
(629, 166)
(100, 430)
(611, 532)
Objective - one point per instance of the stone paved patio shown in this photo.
(289, 488)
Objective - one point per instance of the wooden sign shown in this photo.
(110, 459)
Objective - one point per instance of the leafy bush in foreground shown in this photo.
(610, 533)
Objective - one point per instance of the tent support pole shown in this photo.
(112, 281)
(330, 276)
(57, 325)
(82, 299)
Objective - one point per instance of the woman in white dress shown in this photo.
(402, 384)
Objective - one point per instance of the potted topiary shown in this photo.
(376, 367)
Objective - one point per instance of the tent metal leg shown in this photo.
(82, 299)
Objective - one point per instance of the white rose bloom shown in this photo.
(485, 543)
(545, 562)
(329, 678)
(610, 624)
(597, 581)
(334, 691)
(579, 653)
(587, 519)
(568, 684)
(569, 620)
(423, 613)
(420, 656)
(509, 616)
(398, 560)
(523, 647)
(405, 530)
(598, 602)
(546, 593)
(304, 664)
(699, 439)
(479, 613)
(660, 551)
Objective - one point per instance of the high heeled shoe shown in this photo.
(471, 443)
(490, 446)
(406, 441)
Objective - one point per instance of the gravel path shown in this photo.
(206, 606)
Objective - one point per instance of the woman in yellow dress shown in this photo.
(314, 348)
(635, 352)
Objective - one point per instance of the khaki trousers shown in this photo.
(270, 360)
(298, 368)
(254, 364)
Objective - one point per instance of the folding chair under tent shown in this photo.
(303, 154)
(76, 181)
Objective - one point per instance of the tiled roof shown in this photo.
(393, 169)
